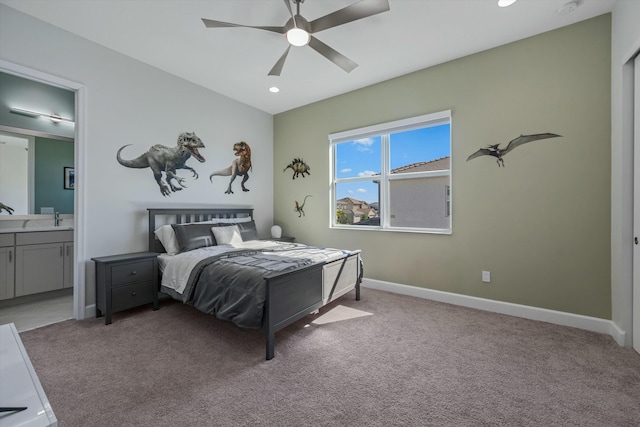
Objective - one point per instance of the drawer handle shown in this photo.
(133, 273)
(133, 294)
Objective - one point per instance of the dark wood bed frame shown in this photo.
(286, 301)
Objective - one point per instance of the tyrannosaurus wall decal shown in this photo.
(240, 166)
(160, 158)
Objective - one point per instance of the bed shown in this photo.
(213, 260)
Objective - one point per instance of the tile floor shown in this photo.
(36, 314)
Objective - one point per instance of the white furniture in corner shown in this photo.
(20, 386)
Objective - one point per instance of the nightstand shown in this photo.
(125, 281)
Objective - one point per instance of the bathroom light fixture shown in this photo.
(53, 117)
(505, 3)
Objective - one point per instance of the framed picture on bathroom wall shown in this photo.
(69, 178)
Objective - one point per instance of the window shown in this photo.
(393, 176)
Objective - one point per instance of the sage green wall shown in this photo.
(541, 225)
(51, 157)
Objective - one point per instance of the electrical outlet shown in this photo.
(486, 276)
(46, 210)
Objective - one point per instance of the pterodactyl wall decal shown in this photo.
(499, 153)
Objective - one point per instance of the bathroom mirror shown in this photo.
(35, 172)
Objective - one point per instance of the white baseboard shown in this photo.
(90, 311)
(588, 323)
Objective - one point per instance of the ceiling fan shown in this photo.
(299, 31)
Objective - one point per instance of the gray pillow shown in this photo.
(247, 229)
(193, 236)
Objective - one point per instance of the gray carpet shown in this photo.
(412, 362)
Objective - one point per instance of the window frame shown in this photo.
(384, 130)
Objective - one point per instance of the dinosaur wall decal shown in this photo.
(299, 167)
(6, 208)
(300, 207)
(499, 153)
(160, 159)
(240, 166)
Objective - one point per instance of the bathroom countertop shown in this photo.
(32, 229)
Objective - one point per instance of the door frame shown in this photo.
(636, 206)
(79, 285)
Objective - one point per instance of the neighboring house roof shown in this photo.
(351, 200)
(443, 163)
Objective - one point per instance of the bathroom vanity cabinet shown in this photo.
(7, 266)
(36, 261)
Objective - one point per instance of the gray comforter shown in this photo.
(232, 287)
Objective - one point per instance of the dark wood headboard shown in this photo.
(164, 216)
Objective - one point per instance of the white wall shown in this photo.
(625, 41)
(128, 102)
(14, 170)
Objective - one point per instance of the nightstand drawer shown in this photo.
(130, 296)
(132, 272)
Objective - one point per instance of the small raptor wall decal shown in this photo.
(499, 153)
(160, 159)
(240, 166)
(299, 167)
(300, 207)
(6, 208)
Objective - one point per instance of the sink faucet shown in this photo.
(56, 220)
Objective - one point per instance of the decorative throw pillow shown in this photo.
(227, 234)
(247, 229)
(193, 236)
(167, 237)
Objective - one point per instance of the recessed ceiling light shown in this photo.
(568, 7)
(274, 89)
(505, 3)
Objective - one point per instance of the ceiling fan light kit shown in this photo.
(298, 37)
(299, 32)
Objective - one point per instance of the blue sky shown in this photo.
(362, 158)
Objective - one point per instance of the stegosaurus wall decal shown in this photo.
(299, 167)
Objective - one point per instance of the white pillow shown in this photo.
(226, 235)
(167, 237)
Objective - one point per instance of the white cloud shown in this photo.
(350, 191)
(345, 170)
(361, 190)
(363, 144)
(366, 173)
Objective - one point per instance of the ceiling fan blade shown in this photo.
(277, 69)
(362, 9)
(210, 23)
(332, 55)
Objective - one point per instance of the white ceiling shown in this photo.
(414, 34)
